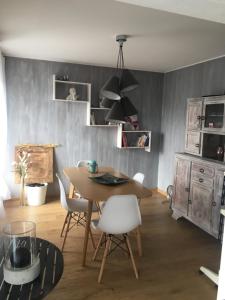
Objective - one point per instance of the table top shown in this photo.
(79, 178)
(51, 270)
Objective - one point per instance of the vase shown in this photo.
(220, 153)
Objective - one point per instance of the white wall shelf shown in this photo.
(129, 139)
(61, 91)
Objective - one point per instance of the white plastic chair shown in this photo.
(82, 163)
(120, 215)
(76, 210)
(139, 177)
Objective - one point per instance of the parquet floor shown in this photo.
(172, 254)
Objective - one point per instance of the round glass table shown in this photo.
(51, 265)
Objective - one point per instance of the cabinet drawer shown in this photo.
(203, 169)
(201, 179)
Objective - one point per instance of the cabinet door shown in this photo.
(200, 207)
(193, 142)
(182, 182)
(194, 114)
(213, 115)
(218, 187)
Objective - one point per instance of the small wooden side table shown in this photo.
(52, 264)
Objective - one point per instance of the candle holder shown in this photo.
(21, 262)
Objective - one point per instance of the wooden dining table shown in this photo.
(80, 182)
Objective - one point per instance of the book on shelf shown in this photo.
(142, 140)
(92, 119)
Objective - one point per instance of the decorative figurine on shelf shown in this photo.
(72, 95)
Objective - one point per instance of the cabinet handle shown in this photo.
(189, 202)
(199, 117)
(213, 203)
(201, 180)
(197, 145)
(202, 170)
(202, 118)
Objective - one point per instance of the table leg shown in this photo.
(139, 243)
(71, 192)
(87, 230)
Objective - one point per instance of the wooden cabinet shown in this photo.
(200, 205)
(182, 182)
(193, 142)
(194, 114)
(198, 190)
(205, 126)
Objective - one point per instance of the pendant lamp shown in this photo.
(127, 107)
(116, 114)
(123, 80)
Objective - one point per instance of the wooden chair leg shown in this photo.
(67, 230)
(139, 243)
(98, 246)
(131, 256)
(64, 224)
(108, 244)
(92, 239)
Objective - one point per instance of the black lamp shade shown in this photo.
(111, 89)
(128, 107)
(116, 113)
(107, 103)
(127, 81)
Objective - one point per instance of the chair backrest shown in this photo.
(82, 163)
(139, 177)
(63, 198)
(120, 214)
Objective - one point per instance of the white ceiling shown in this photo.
(212, 10)
(83, 31)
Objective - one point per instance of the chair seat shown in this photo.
(80, 205)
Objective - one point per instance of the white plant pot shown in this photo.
(36, 194)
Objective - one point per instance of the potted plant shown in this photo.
(36, 193)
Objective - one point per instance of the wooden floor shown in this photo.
(173, 253)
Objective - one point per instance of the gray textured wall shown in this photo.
(202, 79)
(33, 118)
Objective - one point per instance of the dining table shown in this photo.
(81, 182)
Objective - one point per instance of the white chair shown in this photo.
(139, 177)
(82, 163)
(120, 215)
(76, 211)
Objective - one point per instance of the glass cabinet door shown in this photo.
(214, 115)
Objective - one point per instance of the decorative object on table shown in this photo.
(51, 270)
(123, 80)
(21, 169)
(92, 166)
(220, 153)
(109, 179)
(72, 95)
(21, 262)
(36, 193)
